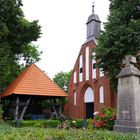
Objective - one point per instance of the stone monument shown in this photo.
(128, 100)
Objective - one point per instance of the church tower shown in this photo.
(93, 26)
(89, 88)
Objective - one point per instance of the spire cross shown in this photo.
(93, 5)
(129, 61)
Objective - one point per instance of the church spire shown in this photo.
(93, 25)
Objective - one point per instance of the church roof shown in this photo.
(93, 17)
(32, 81)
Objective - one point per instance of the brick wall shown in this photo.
(78, 110)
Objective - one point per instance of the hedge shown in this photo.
(37, 123)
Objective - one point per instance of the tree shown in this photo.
(62, 80)
(121, 36)
(16, 35)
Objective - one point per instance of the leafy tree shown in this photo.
(121, 36)
(16, 35)
(62, 80)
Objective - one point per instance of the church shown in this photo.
(89, 87)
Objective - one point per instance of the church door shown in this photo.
(89, 102)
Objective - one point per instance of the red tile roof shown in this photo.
(32, 81)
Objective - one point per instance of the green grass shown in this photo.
(32, 133)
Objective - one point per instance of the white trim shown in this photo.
(101, 94)
(74, 77)
(93, 69)
(80, 66)
(87, 63)
(74, 98)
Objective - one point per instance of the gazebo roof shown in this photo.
(32, 81)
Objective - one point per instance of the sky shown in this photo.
(63, 27)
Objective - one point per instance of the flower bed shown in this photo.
(105, 118)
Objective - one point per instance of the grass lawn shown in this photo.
(31, 133)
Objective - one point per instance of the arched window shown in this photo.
(74, 77)
(101, 94)
(89, 95)
(80, 68)
(74, 97)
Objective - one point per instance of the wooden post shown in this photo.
(25, 108)
(54, 109)
(60, 107)
(17, 109)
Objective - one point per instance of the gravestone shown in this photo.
(128, 100)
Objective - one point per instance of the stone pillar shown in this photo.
(128, 100)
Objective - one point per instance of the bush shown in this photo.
(79, 123)
(76, 123)
(51, 123)
(105, 118)
(37, 123)
(1, 114)
(90, 124)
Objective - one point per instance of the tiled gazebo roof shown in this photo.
(32, 81)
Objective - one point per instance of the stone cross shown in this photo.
(129, 60)
(128, 98)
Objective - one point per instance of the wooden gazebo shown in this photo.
(27, 91)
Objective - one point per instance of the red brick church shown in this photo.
(89, 87)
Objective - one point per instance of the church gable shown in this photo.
(82, 69)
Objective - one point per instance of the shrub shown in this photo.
(105, 118)
(79, 123)
(76, 123)
(1, 114)
(37, 123)
(90, 124)
(51, 123)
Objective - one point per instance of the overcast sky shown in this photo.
(63, 29)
